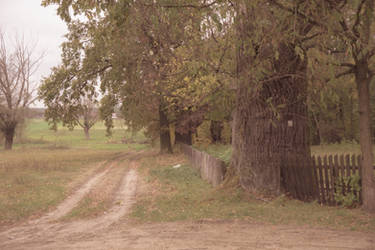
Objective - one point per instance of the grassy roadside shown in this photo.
(173, 194)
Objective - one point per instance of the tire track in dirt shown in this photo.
(122, 203)
(68, 204)
(46, 227)
(63, 208)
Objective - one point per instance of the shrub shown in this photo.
(347, 190)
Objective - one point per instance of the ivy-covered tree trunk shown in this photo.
(368, 181)
(216, 128)
(185, 137)
(165, 138)
(270, 124)
(9, 136)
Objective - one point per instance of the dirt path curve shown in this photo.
(46, 226)
(114, 231)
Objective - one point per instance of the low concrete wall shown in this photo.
(211, 169)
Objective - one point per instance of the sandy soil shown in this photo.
(113, 230)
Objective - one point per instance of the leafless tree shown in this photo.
(17, 65)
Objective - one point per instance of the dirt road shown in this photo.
(113, 230)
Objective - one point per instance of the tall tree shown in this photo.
(347, 28)
(356, 29)
(270, 124)
(17, 65)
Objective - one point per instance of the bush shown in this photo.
(350, 197)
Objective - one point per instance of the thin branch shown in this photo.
(192, 6)
(347, 72)
(295, 12)
(311, 37)
(358, 19)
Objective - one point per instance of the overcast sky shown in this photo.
(37, 24)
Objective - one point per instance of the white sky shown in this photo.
(38, 25)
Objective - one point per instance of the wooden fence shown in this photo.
(211, 169)
(322, 178)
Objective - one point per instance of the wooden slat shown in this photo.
(342, 172)
(315, 179)
(347, 165)
(326, 180)
(354, 170)
(359, 159)
(347, 171)
(321, 184)
(336, 172)
(331, 180)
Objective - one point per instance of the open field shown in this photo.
(38, 134)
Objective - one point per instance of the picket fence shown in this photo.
(322, 178)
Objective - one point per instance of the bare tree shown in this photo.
(17, 65)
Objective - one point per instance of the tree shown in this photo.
(348, 30)
(270, 121)
(130, 47)
(356, 24)
(16, 69)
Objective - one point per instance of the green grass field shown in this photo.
(39, 135)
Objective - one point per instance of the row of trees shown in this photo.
(171, 64)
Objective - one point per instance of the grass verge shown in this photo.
(173, 194)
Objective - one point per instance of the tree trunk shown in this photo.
(185, 138)
(165, 138)
(87, 132)
(266, 135)
(9, 135)
(216, 127)
(368, 182)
